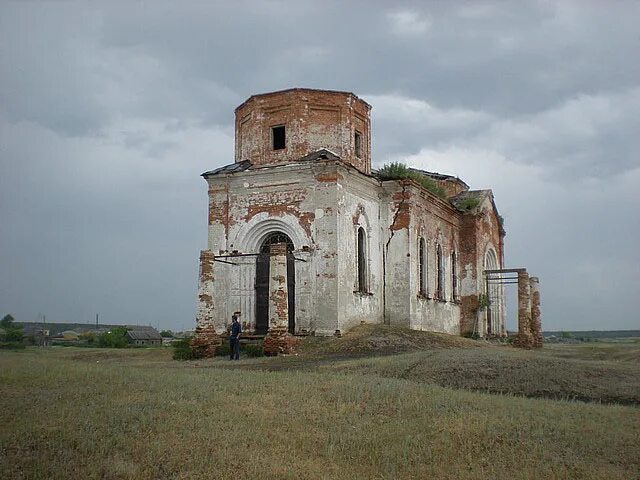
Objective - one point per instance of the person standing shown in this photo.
(234, 337)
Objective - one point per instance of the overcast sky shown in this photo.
(110, 111)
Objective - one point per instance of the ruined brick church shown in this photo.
(304, 237)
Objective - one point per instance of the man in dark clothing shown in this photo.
(234, 338)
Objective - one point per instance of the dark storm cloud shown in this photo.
(110, 111)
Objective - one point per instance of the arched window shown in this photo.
(422, 267)
(440, 277)
(362, 261)
(454, 276)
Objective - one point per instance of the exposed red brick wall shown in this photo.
(313, 119)
(452, 187)
(205, 340)
(536, 323)
(278, 339)
(278, 203)
(219, 205)
(402, 201)
(468, 255)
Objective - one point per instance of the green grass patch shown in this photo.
(468, 203)
(399, 171)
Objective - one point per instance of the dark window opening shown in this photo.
(440, 277)
(278, 137)
(362, 258)
(454, 276)
(422, 270)
(358, 144)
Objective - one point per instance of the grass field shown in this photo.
(330, 412)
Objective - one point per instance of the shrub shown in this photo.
(252, 350)
(399, 171)
(12, 345)
(483, 300)
(223, 350)
(182, 349)
(88, 337)
(114, 338)
(10, 332)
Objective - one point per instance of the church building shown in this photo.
(305, 238)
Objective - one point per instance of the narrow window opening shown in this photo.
(422, 270)
(278, 137)
(454, 276)
(358, 144)
(362, 258)
(440, 278)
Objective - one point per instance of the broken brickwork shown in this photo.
(278, 339)
(536, 323)
(312, 120)
(524, 339)
(206, 339)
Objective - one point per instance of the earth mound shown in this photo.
(383, 339)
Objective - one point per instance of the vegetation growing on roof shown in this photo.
(399, 171)
(468, 203)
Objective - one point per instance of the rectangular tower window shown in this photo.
(278, 138)
(358, 144)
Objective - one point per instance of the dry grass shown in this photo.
(594, 372)
(508, 371)
(71, 413)
(627, 351)
(366, 340)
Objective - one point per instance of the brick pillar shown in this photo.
(278, 339)
(536, 323)
(524, 338)
(205, 340)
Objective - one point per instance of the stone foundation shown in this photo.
(278, 341)
(205, 342)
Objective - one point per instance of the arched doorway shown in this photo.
(262, 282)
(493, 295)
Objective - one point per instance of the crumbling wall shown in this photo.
(470, 275)
(206, 339)
(489, 235)
(300, 201)
(451, 186)
(536, 321)
(358, 206)
(480, 231)
(313, 119)
(278, 339)
(396, 218)
(413, 213)
(438, 223)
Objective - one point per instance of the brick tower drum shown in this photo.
(281, 127)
